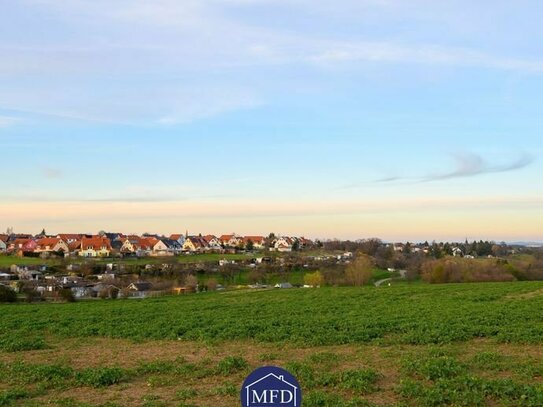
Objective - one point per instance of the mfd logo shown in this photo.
(271, 386)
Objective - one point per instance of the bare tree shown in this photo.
(360, 271)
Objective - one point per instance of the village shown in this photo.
(81, 266)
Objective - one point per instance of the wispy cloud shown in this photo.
(389, 52)
(168, 62)
(52, 173)
(467, 165)
(6, 121)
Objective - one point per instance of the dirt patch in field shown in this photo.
(525, 296)
(218, 389)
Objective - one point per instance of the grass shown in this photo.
(404, 345)
(416, 314)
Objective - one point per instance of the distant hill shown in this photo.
(527, 244)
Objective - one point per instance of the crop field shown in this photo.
(404, 345)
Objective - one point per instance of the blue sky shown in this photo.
(400, 119)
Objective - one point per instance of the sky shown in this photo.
(400, 119)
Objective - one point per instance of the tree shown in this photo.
(315, 279)
(296, 245)
(212, 284)
(250, 245)
(7, 294)
(191, 282)
(67, 295)
(360, 271)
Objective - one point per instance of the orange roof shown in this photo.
(48, 241)
(254, 239)
(226, 238)
(209, 238)
(69, 236)
(74, 245)
(141, 243)
(176, 236)
(4, 238)
(95, 242)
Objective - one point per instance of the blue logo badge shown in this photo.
(271, 386)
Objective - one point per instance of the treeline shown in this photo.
(461, 270)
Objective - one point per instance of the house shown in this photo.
(74, 247)
(140, 286)
(230, 240)
(195, 244)
(180, 238)
(258, 241)
(283, 285)
(139, 246)
(96, 246)
(69, 237)
(25, 274)
(20, 246)
(283, 244)
(3, 246)
(51, 245)
(173, 247)
(139, 289)
(305, 243)
(213, 242)
(158, 247)
(105, 290)
(457, 252)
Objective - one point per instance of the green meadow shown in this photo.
(404, 345)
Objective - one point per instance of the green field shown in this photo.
(456, 344)
(6, 261)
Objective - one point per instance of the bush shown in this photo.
(315, 279)
(231, 364)
(67, 295)
(360, 271)
(100, 377)
(7, 294)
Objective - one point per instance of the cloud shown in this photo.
(51, 173)
(389, 52)
(471, 165)
(467, 165)
(6, 121)
(169, 62)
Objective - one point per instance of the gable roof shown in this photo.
(254, 239)
(171, 243)
(49, 241)
(141, 285)
(69, 236)
(95, 243)
(74, 245)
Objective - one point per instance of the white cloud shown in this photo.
(386, 52)
(6, 121)
(170, 62)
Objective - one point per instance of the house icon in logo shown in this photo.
(269, 387)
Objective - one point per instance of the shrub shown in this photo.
(100, 377)
(231, 364)
(359, 272)
(67, 295)
(315, 279)
(7, 294)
